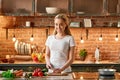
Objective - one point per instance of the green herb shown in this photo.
(83, 52)
(8, 74)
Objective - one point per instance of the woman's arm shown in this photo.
(47, 58)
(69, 62)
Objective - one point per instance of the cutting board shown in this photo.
(22, 57)
(57, 74)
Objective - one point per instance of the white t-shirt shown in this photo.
(59, 50)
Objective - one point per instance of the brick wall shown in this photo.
(109, 48)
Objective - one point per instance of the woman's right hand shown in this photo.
(49, 66)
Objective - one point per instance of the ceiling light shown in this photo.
(116, 38)
(82, 41)
(14, 39)
(32, 38)
(100, 38)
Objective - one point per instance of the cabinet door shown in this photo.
(112, 6)
(95, 6)
(17, 6)
(62, 4)
(87, 6)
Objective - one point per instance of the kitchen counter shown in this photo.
(94, 76)
(100, 62)
(67, 77)
(75, 62)
(72, 76)
(76, 66)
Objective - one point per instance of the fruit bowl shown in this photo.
(38, 57)
(52, 10)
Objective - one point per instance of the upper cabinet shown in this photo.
(95, 7)
(28, 7)
(87, 6)
(63, 5)
(80, 7)
(17, 7)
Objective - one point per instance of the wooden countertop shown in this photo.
(54, 77)
(75, 62)
(90, 75)
(90, 62)
(30, 61)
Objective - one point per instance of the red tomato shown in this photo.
(37, 70)
(35, 59)
(40, 74)
(35, 73)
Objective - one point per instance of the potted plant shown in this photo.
(82, 54)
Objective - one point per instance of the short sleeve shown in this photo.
(47, 43)
(72, 41)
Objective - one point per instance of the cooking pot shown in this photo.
(106, 72)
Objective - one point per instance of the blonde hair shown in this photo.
(66, 20)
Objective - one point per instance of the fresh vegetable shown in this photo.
(8, 74)
(44, 70)
(12, 74)
(38, 57)
(39, 72)
(35, 73)
(28, 75)
(18, 73)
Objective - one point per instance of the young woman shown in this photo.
(60, 46)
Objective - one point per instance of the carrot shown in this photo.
(19, 74)
(18, 71)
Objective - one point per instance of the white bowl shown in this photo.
(80, 12)
(52, 10)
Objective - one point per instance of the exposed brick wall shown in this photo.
(109, 48)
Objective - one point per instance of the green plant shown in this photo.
(83, 52)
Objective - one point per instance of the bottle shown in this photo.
(97, 55)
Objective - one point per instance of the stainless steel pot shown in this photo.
(105, 72)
